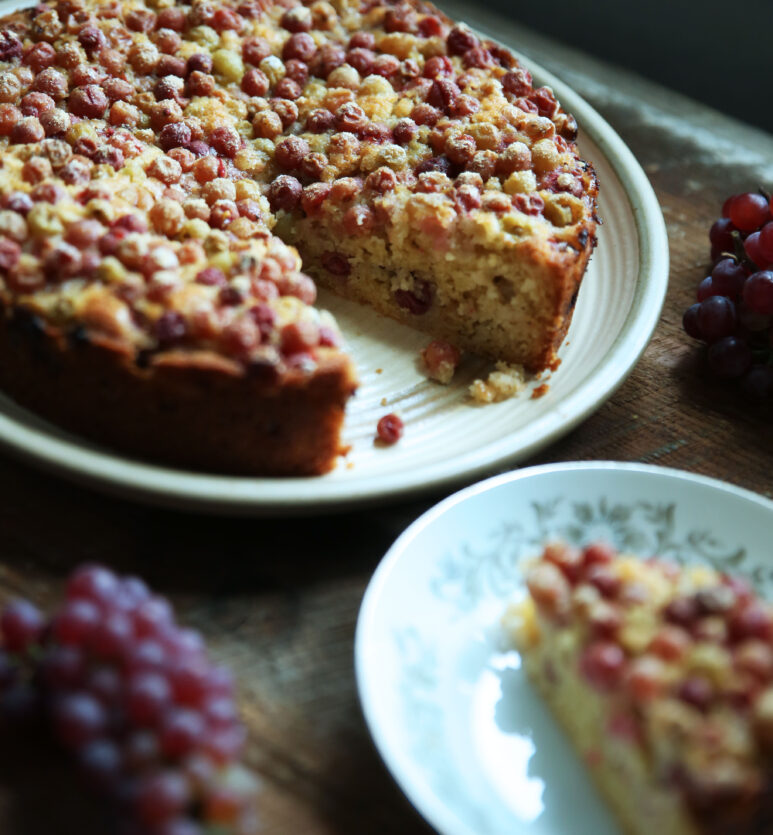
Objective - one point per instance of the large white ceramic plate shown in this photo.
(447, 438)
(451, 711)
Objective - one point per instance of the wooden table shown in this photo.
(279, 600)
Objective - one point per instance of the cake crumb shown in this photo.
(440, 360)
(540, 391)
(383, 401)
(379, 371)
(504, 382)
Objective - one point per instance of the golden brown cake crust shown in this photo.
(192, 410)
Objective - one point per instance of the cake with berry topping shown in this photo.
(162, 166)
(663, 677)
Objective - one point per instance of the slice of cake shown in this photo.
(663, 678)
(158, 163)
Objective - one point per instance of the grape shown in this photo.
(183, 642)
(766, 243)
(131, 592)
(189, 679)
(101, 761)
(727, 278)
(141, 749)
(716, 318)
(148, 696)
(147, 718)
(690, 322)
(181, 731)
(151, 616)
(752, 321)
(78, 718)
(112, 636)
(757, 383)
(727, 204)
(76, 622)
(220, 712)
(706, 289)
(22, 624)
(105, 684)
(161, 796)
(93, 583)
(730, 357)
(225, 746)
(63, 667)
(749, 211)
(758, 293)
(145, 655)
(721, 236)
(753, 251)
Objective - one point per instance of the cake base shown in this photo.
(642, 803)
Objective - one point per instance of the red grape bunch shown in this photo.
(734, 311)
(147, 717)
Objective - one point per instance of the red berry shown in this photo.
(758, 292)
(766, 243)
(697, 691)
(727, 278)
(717, 318)
(749, 211)
(690, 322)
(602, 664)
(598, 553)
(22, 625)
(754, 250)
(390, 429)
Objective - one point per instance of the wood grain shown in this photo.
(278, 600)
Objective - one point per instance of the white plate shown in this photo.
(450, 710)
(447, 438)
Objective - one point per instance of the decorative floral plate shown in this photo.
(452, 713)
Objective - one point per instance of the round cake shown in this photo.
(166, 171)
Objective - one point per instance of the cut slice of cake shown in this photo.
(663, 678)
(434, 182)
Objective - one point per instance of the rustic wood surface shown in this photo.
(278, 600)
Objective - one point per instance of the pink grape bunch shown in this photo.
(133, 698)
(734, 310)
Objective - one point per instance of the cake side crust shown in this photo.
(187, 409)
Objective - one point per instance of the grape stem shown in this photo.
(740, 252)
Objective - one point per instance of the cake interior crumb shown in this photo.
(505, 381)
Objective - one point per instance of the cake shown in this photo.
(662, 677)
(162, 166)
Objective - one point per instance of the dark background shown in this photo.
(720, 53)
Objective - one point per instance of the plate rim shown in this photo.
(154, 484)
(427, 804)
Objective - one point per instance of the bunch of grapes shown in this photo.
(149, 720)
(734, 311)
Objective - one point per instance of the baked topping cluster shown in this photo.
(685, 657)
(147, 153)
